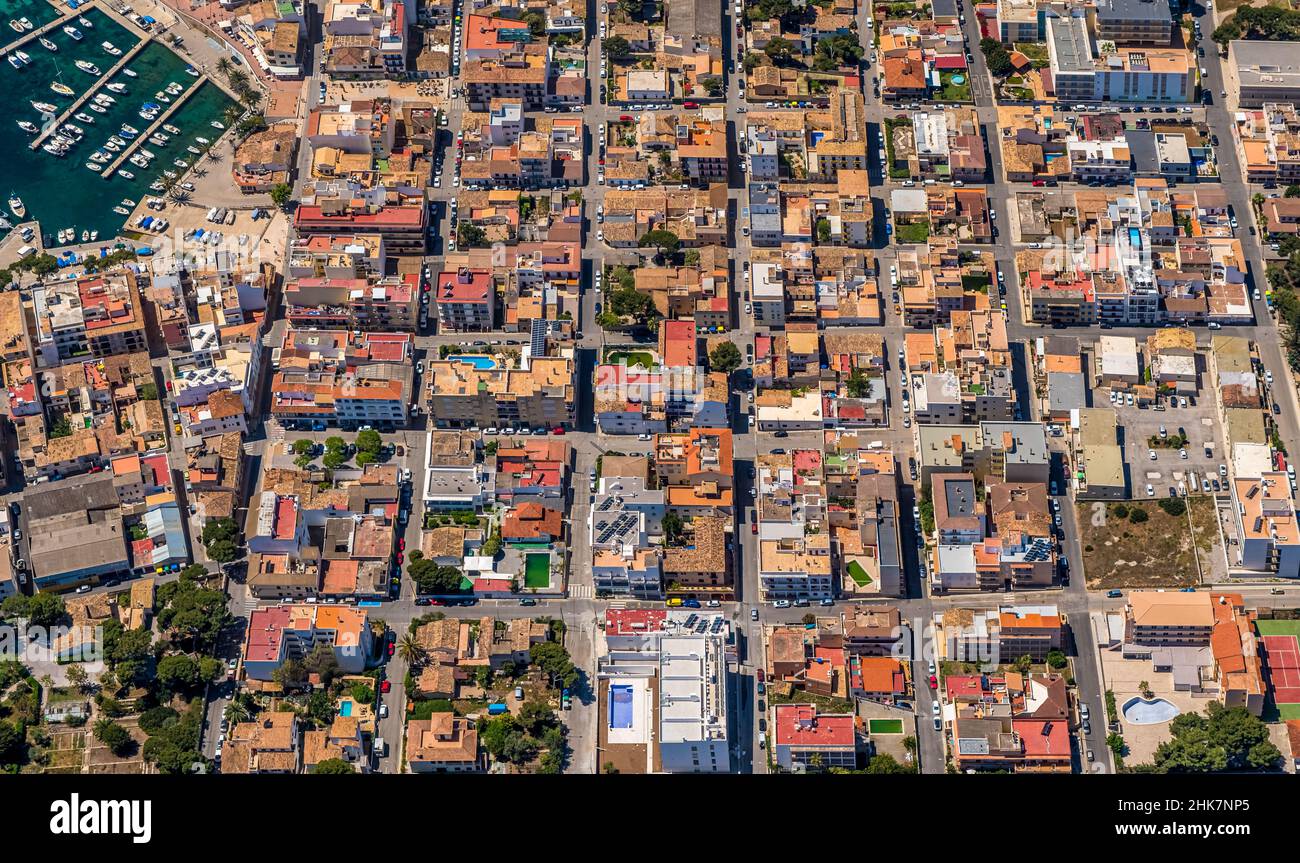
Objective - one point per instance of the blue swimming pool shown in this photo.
(345, 709)
(478, 362)
(1140, 711)
(620, 706)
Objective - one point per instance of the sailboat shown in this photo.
(61, 88)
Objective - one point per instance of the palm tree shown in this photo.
(224, 65)
(177, 195)
(232, 115)
(237, 711)
(410, 650)
(237, 78)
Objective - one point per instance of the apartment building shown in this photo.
(1135, 22)
(537, 393)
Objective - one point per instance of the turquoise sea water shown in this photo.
(61, 192)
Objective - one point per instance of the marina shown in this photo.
(60, 189)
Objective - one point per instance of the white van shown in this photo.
(25, 251)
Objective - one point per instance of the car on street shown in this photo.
(385, 686)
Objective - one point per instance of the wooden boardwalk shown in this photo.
(98, 85)
(153, 127)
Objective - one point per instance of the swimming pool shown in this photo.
(480, 363)
(1140, 711)
(345, 709)
(537, 570)
(620, 706)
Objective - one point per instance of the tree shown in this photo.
(664, 241)
(219, 529)
(291, 674)
(672, 526)
(1225, 738)
(178, 672)
(886, 764)
(369, 441)
(429, 577)
(157, 718)
(1175, 506)
(1025, 663)
(858, 384)
(281, 193)
(469, 234)
(224, 65)
(42, 609)
(223, 551)
(410, 650)
(115, 737)
(1056, 659)
(997, 57)
(725, 357)
(823, 231)
(536, 22)
(333, 767)
(554, 660)
(712, 85)
(778, 50)
(617, 48)
(1137, 515)
(11, 743)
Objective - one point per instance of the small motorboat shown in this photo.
(48, 45)
(98, 109)
(45, 107)
(193, 149)
(156, 186)
(148, 115)
(131, 130)
(85, 236)
(127, 202)
(15, 26)
(117, 87)
(61, 88)
(130, 73)
(23, 56)
(122, 211)
(84, 118)
(181, 163)
(55, 149)
(27, 23)
(85, 22)
(167, 127)
(191, 71)
(169, 174)
(151, 106)
(94, 235)
(105, 98)
(100, 156)
(95, 166)
(111, 48)
(162, 97)
(16, 206)
(28, 126)
(111, 147)
(15, 62)
(88, 67)
(126, 174)
(217, 124)
(62, 235)
(114, 139)
(76, 130)
(146, 153)
(202, 140)
(73, 32)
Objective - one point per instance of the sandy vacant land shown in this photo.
(1159, 552)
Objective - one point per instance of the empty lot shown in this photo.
(1158, 552)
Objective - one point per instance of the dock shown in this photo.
(79, 102)
(45, 28)
(177, 102)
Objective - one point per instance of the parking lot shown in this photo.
(1196, 422)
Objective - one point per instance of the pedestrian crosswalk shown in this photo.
(581, 591)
